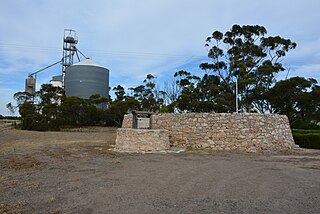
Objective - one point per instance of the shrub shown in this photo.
(307, 138)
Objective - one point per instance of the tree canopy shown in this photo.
(245, 53)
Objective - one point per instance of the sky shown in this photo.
(133, 38)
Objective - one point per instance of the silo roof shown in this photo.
(88, 62)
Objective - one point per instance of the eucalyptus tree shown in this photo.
(298, 98)
(247, 54)
(148, 96)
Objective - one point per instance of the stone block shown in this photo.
(142, 140)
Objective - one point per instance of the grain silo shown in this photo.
(86, 78)
(57, 81)
(30, 86)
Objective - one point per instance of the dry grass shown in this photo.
(18, 162)
(12, 139)
(12, 208)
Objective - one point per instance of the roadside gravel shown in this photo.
(75, 172)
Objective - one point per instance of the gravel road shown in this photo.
(75, 172)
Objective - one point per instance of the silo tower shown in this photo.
(82, 79)
(70, 41)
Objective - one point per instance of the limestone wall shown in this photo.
(142, 140)
(224, 131)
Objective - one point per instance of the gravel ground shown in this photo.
(75, 172)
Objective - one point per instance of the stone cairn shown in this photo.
(244, 132)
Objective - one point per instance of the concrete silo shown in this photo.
(85, 79)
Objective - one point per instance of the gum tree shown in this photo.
(246, 53)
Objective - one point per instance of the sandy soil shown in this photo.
(75, 172)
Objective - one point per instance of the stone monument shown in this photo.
(140, 137)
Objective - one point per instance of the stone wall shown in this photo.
(142, 140)
(248, 132)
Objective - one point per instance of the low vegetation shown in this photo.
(307, 138)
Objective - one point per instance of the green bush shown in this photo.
(307, 138)
(305, 131)
(305, 124)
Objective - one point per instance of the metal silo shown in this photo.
(86, 78)
(30, 86)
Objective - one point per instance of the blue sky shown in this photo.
(135, 37)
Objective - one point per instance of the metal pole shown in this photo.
(237, 104)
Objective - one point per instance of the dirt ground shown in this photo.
(75, 172)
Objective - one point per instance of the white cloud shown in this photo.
(308, 71)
